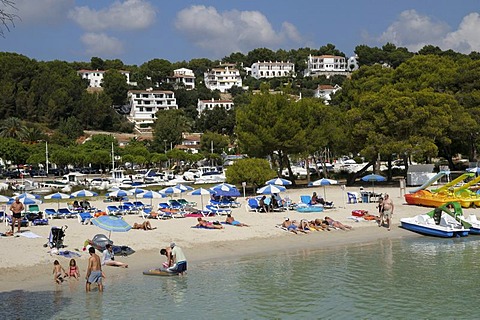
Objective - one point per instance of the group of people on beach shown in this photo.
(305, 225)
(176, 263)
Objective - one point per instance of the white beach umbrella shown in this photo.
(323, 182)
(201, 192)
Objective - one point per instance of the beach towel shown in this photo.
(29, 234)
(69, 254)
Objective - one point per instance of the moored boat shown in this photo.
(440, 224)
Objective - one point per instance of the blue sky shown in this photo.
(137, 31)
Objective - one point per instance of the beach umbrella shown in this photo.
(271, 189)
(323, 182)
(136, 191)
(119, 193)
(183, 187)
(26, 201)
(150, 194)
(171, 190)
(111, 223)
(373, 178)
(58, 196)
(5, 198)
(84, 193)
(201, 192)
(225, 190)
(279, 182)
(28, 195)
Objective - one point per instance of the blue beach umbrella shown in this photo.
(183, 187)
(171, 190)
(84, 193)
(150, 194)
(201, 192)
(28, 195)
(58, 196)
(271, 189)
(26, 201)
(111, 223)
(5, 199)
(119, 193)
(279, 182)
(323, 182)
(225, 190)
(373, 178)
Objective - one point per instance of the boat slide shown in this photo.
(454, 182)
(468, 184)
(431, 181)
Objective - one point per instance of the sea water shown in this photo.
(420, 278)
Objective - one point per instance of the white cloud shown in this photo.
(42, 11)
(120, 15)
(231, 31)
(413, 31)
(465, 39)
(99, 44)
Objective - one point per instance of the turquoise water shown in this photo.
(421, 278)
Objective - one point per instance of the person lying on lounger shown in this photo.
(291, 226)
(231, 220)
(337, 224)
(207, 224)
(320, 224)
(143, 226)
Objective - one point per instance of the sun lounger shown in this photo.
(52, 214)
(114, 210)
(67, 212)
(252, 205)
(84, 217)
(217, 210)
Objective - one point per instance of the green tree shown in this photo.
(168, 128)
(218, 141)
(71, 127)
(12, 128)
(253, 171)
(115, 86)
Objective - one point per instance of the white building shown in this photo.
(183, 76)
(325, 91)
(272, 69)
(352, 63)
(144, 104)
(95, 77)
(222, 78)
(326, 65)
(204, 105)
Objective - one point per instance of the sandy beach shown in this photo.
(27, 265)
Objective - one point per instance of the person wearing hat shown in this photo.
(178, 261)
(16, 208)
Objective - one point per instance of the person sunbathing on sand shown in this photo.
(337, 224)
(207, 224)
(291, 226)
(143, 226)
(231, 220)
(320, 224)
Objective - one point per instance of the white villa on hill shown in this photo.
(272, 69)
(144, 104)
(95, 77)
(203, 105)
(326, 65)
(324, 91)
(222, 78)
(183, 76)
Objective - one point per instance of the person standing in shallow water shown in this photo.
(388, 210)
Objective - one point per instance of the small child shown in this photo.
(73, 271)
(58, 272)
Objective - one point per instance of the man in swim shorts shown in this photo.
(16, 208)
(388, 210)
(231, 220)
(178, 259)
(94, 271)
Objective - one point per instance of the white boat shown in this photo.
(443, 225)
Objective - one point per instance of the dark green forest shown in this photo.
(398, 105)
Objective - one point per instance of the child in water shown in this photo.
(58, 272)
(73, 270)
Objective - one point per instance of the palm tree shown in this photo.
(12, 128)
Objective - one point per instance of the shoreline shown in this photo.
(26, 264)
